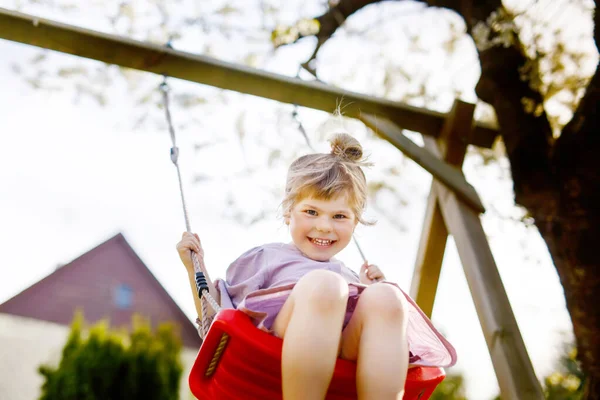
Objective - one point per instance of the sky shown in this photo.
(73, 174)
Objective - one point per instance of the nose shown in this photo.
(323, 225)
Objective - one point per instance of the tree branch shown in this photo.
(576, 154)
(337, 15)
(330, 22)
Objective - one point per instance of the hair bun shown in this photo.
(346, 147)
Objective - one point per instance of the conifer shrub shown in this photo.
(101, 363)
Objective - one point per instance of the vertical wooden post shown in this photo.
(446, 213)
(432, 244)
(512, 365)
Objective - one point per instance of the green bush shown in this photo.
(114, 364)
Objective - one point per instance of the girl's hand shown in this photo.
(189, 242)
(370, 274)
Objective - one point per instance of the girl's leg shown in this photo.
(376, 338)
(310, 324)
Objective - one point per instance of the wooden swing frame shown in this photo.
(453, 206)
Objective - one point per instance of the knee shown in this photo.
(322, 290)
(386, 301)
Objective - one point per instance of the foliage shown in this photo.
(112, 364)
(451, 388)
(567, 382)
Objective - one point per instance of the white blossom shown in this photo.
(499, 29)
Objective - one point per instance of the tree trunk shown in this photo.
(572, 236)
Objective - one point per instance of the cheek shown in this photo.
(346, 228)
(298, 225)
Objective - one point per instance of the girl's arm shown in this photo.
(191, 243)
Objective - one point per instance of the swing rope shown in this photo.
(199, 269)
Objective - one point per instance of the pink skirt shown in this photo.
(426, 345)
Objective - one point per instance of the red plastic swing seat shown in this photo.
(249, 366)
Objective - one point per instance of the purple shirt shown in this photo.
(275, 265)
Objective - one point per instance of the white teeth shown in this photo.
(322, 242)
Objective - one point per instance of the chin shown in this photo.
(316, 255)
(320, 257)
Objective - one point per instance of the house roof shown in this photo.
(109, 281)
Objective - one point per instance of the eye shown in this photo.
(311, 212)
(339, 216)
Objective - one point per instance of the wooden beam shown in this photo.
(432, 245)
(148, 57)
(511, 362)
(448, 175)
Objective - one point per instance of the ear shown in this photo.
(286, 220)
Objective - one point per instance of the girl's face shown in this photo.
(321, 228)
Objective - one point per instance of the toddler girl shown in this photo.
(323, 310)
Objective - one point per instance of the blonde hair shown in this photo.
(327, 176)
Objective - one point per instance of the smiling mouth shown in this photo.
(322, 242)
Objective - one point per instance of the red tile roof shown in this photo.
(92, 283)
